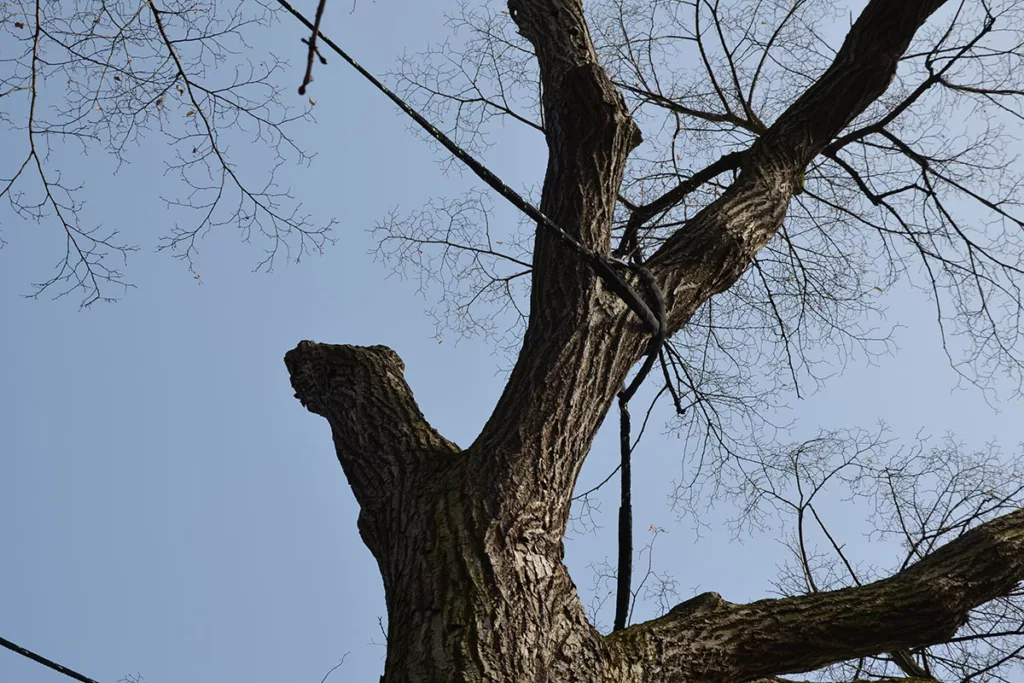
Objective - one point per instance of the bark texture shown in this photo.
(469, 543)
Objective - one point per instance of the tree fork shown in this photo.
(475, 595)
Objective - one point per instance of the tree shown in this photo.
(847, 174)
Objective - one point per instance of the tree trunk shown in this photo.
(470, 543)
(472, 593)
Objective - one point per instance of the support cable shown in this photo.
(45, 662)
(624, 572)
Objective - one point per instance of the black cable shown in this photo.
(624, 572)
(45, 662)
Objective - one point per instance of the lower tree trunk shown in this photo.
(476, 588)
(474, 592)
(475, 585)
(471, 597)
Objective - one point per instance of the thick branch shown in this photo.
(539, 432)
(643, 213)
(709, 639)
(715, 248)
(374, 418)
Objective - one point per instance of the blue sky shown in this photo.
(170, 510)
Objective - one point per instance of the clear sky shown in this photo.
(169, 509)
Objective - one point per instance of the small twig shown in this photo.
(333, 668)
(316, 48)
(676, 401)
(313, 52)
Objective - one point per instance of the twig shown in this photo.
(313, 52)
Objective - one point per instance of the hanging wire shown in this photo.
(45, 662)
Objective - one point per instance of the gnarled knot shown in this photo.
(329, 378)
(363, 394)
(701, 605)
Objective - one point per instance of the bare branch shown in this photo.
(708, 638)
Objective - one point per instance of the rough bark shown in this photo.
(469, 543)
(709, 639)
